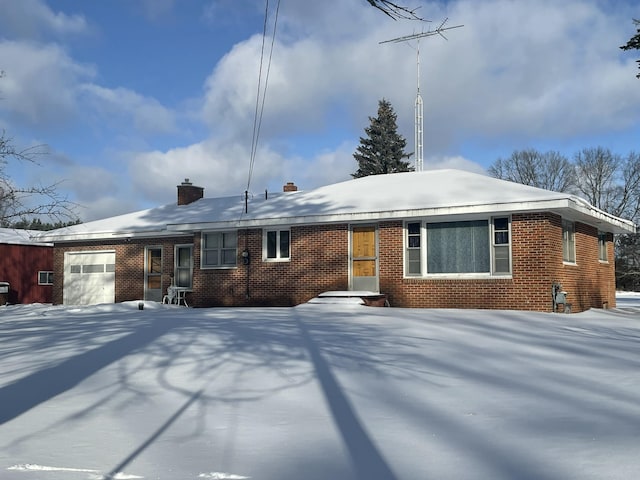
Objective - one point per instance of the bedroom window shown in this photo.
(219, 249)
(568, 241)
(276, 245)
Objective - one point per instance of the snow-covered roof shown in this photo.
(397, 196)
(15, 236)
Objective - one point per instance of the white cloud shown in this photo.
(456, 162)
(220, 167)
(515, 68)
(516, 72)
(223, 170)
(146, 114)
(40, 86)
(530, 69)
(45, 88)
(34, 19)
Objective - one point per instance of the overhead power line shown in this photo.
(262, 89)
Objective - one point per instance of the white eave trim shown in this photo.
(75, 237)
(597, 217)
(571, 207)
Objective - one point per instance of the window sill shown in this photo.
(460, 276)
(569, 264)
(276, 260)
(219, 268)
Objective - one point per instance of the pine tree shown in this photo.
(634, 42)
(382, 151)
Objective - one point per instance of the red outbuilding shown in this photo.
(26, 268)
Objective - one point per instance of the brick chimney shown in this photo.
(290, 187)
(188, 193)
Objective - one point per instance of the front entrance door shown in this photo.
(153, 274)
(364, 259)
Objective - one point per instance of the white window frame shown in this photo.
(497, 244)
(48, 277)
(568, 242)
(493, 245)
(220, 250)
(420, 238)
(603, 255)
(177, 267)
(278, 254)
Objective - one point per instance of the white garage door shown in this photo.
(89, 278)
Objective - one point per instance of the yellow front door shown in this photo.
(364, 269)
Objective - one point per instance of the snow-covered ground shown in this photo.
(318, 392)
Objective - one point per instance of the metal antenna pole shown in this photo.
(419, 134)
(419, 129)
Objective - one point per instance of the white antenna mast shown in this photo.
(419, 130)
(419, 134)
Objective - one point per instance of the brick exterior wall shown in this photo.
(537, 263)
(129, 264)
(320, 262)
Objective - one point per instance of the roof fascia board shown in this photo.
(108, 235)
(585, 213)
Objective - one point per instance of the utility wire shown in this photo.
(262, 93)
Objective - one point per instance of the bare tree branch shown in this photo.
(549, 170)
(32, 201)
(395, 11)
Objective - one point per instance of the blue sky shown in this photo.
(133, 96)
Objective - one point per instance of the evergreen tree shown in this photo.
(382, 150)
(634, 42)
(37, 224)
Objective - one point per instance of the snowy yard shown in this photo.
(318, 392)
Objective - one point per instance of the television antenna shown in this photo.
(419, 130)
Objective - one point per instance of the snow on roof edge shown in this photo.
(427, 193)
